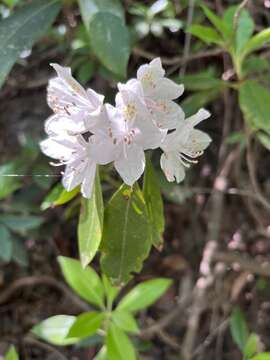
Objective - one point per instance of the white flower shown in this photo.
(150, 96)
(76, 154)
(182, 146)
(123, 139)
(71, 103)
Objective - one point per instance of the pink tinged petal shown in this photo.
(89, 179)
(103, 150)
(201, 115)
(166, 89)
(132, 85)
(172, 167)
(151, 72)
(95, 99)
(167, 114)
(73, 176)
(131, 165)
(60, 124)
(178, 138)
(196, 143)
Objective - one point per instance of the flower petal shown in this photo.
(149, 135)
(167, 114)
(172, 167)
(89, 179)
(131, 165)
(56, 149)
(201, 115)
(166, 89)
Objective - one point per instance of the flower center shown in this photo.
(130, 111)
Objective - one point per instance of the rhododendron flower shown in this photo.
(71, 104)
(182, 146)
(75, 153)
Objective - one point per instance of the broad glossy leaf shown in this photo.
(239, 329)
(5, 243)
(110, 42)
(251, 345)
(55, 329)
(125, 321)
(126, 238)
(91, 224)
(255, 104)
(257, 41)
(144, 294)
(84, 282)
(118, 345)
(205, 33)
(86, 324)
(21, 223)
(22, 29)
(8, 184)
(91, 7)
(154, 203)
(11, 354)
(58, 196)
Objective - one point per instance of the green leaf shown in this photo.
(193, 102)
(102, 354)
(110, 42)
(262, 356)
(205, 33)
(11, 354)
(55, 329)
(256, 42)
(21, 30)
(21, 223)
(239, 329)
(89, 8)
(86, 324)
(264, 139)
(125, 321)
(126, 238)
(144, 294)
(85, 282)
(8, 184)
(244, 29)
(5, 244)
(118, 345)
(203, 80)
(58, 196)
(91, 224)
(254, 102)
(219, 24)
(255, 64)
(154, 203)
(251, 346)
(19, 252)
(110, 290)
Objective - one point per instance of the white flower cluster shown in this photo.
(84, 132)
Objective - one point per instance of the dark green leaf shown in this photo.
(91, 224)
(91, 7)
(11, 354)
(144, 294)
(255, 64)
(85, 282)
(219, 24)
(205, 33)
(255, 104)
(193, 102)
(154, 203)
(204, 80)
(125, 321)
(239, 329)
(86, 324)
(118, 345)
(110, 42)
(126, 238)
(19, 31)
(21, 223)
(8, 184)
(5, 243)
(55, 329)
(19, 252)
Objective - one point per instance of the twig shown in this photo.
(187, 37)
(245, 263)
(177, 59)
(238, 13)
(40, 280)
(33, 342)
